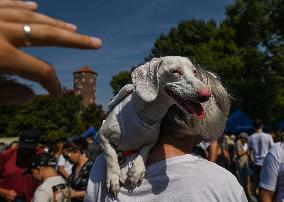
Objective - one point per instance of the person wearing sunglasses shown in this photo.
(74, 152)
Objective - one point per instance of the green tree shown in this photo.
(246, 50)
(56, 117)
(259, 35)
(93, 115)
(120, 80)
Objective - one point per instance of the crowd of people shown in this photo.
(245, 155)
(178, 168)
(32, 171)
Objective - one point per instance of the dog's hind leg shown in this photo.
(137, 171)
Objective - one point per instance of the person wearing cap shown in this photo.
(14, 162)
(53, 187)
(93, 148)
(243, 161)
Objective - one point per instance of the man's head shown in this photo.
(274, 135)
(73, 148)
(90, 140)
(233, 138)
(28, 142)
(29, 139)
(53, 150)
(243, 137)
(42, 166)
(257, 124)
(217, 108)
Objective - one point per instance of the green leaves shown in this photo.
(56, 117)
(120, 80)
(246, 50)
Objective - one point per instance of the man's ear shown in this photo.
(145, 80)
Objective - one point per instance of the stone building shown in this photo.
(85, 85)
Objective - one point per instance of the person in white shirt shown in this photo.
(64, 166)
(271, 181)
(259, 144)
(172, 173)
(53, 187)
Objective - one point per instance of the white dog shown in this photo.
(136, 112)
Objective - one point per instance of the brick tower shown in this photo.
(85, 85)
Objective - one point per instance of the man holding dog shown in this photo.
(172, 173)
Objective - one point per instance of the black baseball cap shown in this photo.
(41, 160)
(29, 138)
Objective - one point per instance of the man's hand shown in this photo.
(10, 195)
(45, 31)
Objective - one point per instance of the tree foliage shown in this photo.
(120, 80)
(57, 118)
(246, 49)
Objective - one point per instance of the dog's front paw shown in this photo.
(135, 174)
(113, 183)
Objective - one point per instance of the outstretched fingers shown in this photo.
(41, 30)
(27, 16)
(29, 5)
(47, 35)
(26, 66)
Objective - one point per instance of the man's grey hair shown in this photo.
(217, 108)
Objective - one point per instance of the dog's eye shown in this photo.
(194, 71)
(176, 72)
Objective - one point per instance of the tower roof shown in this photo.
(85, 69)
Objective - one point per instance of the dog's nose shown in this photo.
(203, 94)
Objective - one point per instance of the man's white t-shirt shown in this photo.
(245, 147)
(259, 144)
(52, 189)
(67, 165)
(272, 172)
(181, 178)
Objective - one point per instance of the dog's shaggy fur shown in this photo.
(217, 110)
(136, 112)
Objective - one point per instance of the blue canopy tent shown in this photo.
(239, 122)
(281, 125)
(90, 132)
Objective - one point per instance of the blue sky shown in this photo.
(128, 29)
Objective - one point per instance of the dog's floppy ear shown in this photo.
(145, 80)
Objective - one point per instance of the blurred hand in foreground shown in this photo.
(21, 25)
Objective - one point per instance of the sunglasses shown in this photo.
(69, 153)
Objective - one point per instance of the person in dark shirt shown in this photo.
(13, 163)
(82, 165)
